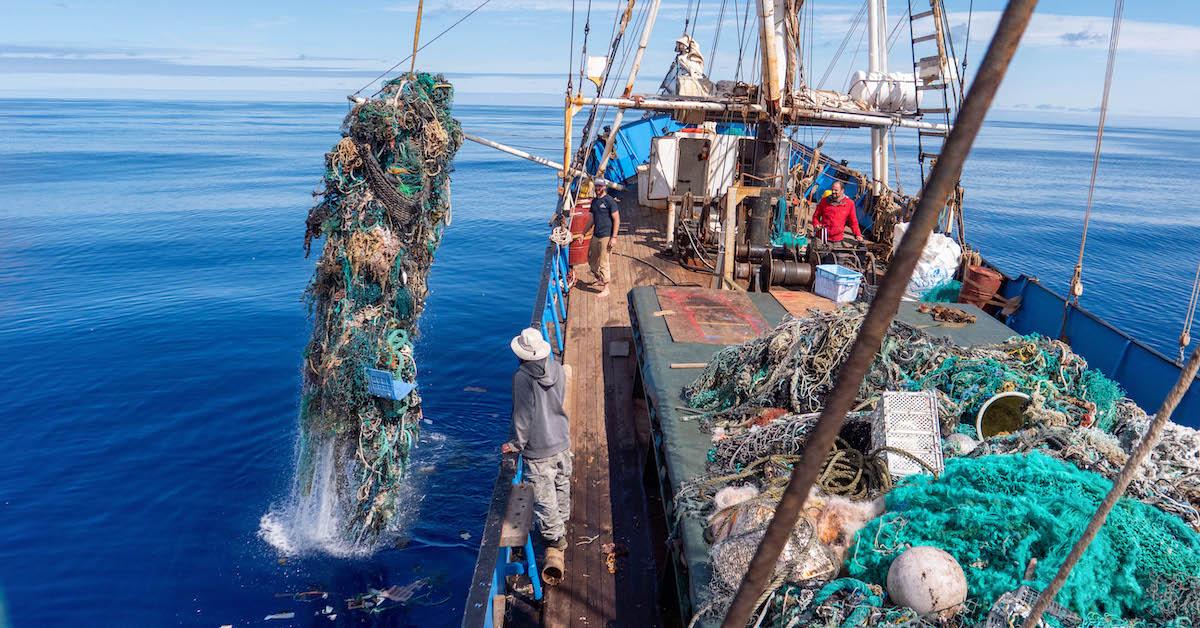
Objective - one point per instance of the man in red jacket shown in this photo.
(832, 214)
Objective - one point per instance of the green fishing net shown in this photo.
(996, 513)
(385, 204)
(946, 292)
(795, 365)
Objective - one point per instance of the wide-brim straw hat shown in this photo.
(529, 345)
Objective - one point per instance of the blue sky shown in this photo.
(516, 50)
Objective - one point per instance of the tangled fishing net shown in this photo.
(385, 204)
(1007, 510)
(992, 512)
(795, 365)
(1169, 479)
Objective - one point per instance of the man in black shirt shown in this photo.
(605, 223)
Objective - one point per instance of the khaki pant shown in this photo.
(598, 259)
(551, 479)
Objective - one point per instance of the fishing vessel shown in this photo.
(717, 251)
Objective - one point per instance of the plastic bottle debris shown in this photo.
(287, 615)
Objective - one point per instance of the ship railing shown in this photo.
(495, 564)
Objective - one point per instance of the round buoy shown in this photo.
(961, 444)
(927, 580)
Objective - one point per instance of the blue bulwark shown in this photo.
(1145, 374)
(381, 383)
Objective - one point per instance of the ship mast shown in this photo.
(877, 65)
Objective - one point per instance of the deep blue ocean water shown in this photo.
(151, 328)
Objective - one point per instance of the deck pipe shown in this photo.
(516, 152)
(736, 111)
(942, 181)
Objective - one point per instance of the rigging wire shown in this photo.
(426, 45)
(949, 39)
(842, 47)
(712, 52)
(895, 34)
(571, 52)
(1076, 286)
(812, 34)
(967, 44)
(1185, 337)
(744, 32)
(695, 20)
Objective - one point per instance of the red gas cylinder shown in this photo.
(579, 221)
(980, 284)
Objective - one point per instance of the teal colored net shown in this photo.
(946, 292)
(794, 367)
(788, 238)
(996, 513)
(384, 206)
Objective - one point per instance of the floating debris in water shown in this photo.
(475, 389)
(287, 615)
(375, 600)
(304, 596)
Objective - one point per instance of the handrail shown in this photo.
(494, 563)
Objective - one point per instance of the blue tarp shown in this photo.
(632, 145)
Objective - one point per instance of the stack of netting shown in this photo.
(996, 513)
(382, 213)
(1169, 478)
(795, 365)
(991, 512)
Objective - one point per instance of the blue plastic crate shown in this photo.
(381, 383)
(837, 283)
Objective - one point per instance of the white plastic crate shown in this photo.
(908, 421)
(837, 283)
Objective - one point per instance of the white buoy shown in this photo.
(961, 444)
(927, 580)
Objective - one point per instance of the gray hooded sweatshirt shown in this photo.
(540, 428)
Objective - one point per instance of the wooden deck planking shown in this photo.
(607, 494)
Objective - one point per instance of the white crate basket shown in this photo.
(908, 421)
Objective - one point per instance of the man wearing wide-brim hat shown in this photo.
(541, 433)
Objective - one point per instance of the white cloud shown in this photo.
(1049, 30)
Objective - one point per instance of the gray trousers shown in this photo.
(551, 479)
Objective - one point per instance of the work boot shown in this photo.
(558, 544)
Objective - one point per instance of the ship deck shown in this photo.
(610, 439)
(681, 448)
(633, 444)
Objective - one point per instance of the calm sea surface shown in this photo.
(151, 330)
